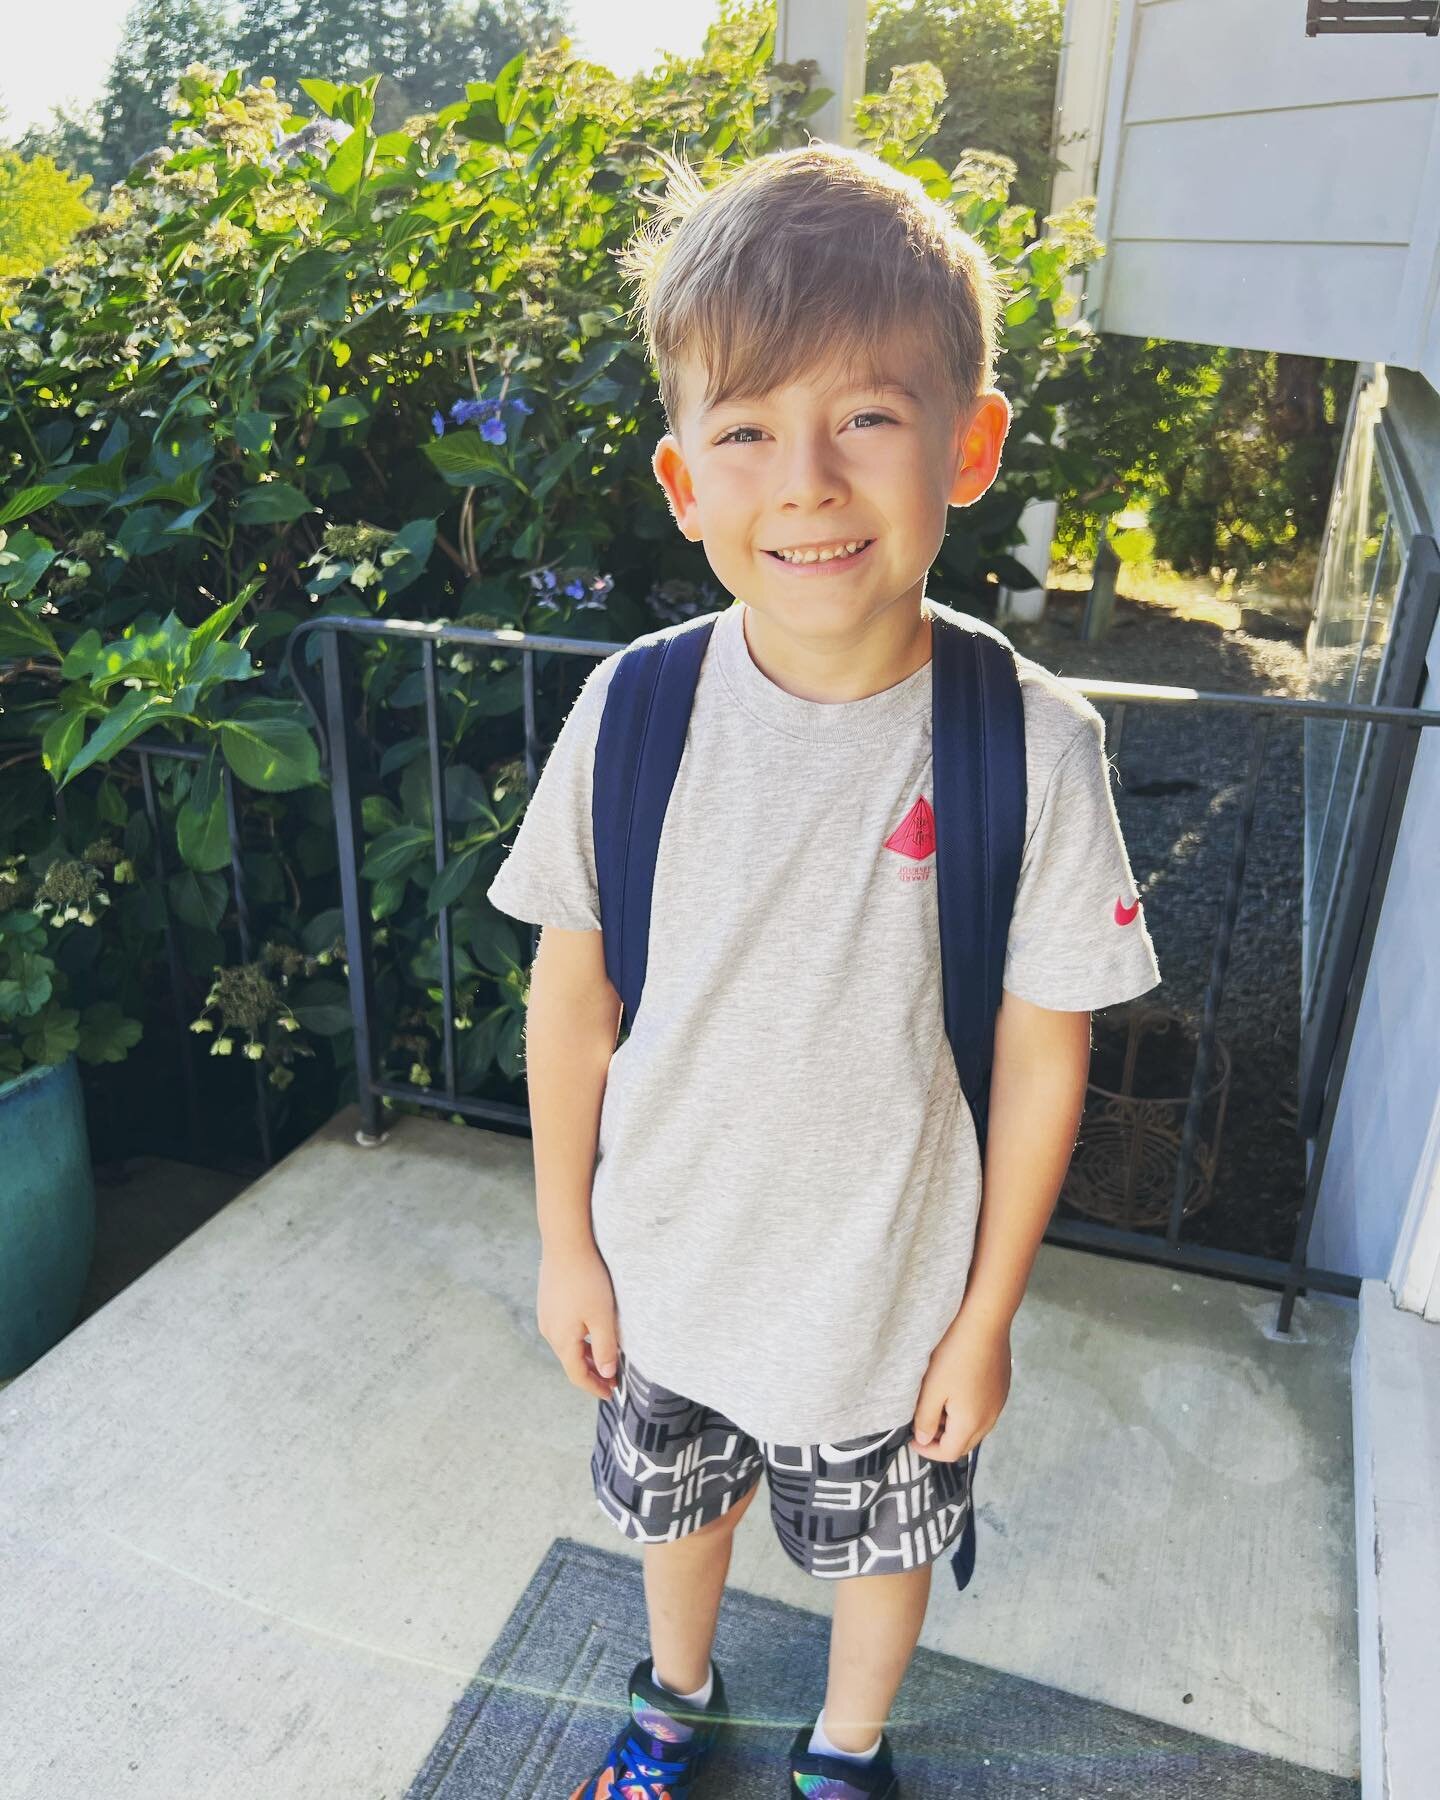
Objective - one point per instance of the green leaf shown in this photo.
(110, 803)
(60, 740)
(465, 459)
(101, 481)
(344, 409)
(24, 558)
(53, 1035)
(142, 532)
(324, 1008)
(202, 832)
(272, 503)
(21, 634)
(378, 813)
(135, 714)
(507, 81)
(509, 1044)
(255, 432)
(446, 300)
(387, 897)
(323, 93)
(106, 1034)
(321, 930)
(453, 879)
(466, 796)
(417, 540)
(28, 985)
(274, 753)
(394, 854)
(27, 501)
(555, 465)
(218, 623)
(197, 898)
(346, 168)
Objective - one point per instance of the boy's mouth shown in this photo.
(818, 563)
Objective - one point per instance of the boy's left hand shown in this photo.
(968, 1380)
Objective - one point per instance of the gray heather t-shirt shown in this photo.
(787, 1180)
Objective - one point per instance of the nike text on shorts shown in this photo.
(664, 1466)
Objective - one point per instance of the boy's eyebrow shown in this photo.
(884, 386)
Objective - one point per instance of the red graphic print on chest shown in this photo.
(914, 838)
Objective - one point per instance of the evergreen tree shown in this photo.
(425, 49)
(71, 140)
(158, 40)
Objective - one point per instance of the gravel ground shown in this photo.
(1180, 845)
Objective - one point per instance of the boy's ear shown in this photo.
(979, 440)
(668, 462)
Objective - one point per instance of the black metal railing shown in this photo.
(332, 713)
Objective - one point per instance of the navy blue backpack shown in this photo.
(978, 742)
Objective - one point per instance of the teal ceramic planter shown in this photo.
(47, 1210)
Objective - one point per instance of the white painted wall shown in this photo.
(1266, 190)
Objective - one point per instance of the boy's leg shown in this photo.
(684, 1584)
(873, 1633)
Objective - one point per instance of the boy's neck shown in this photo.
(893, 645)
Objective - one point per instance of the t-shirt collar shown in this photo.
(893, 709)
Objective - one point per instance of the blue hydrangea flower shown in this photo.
(520, 405)
(575, 589)
(467, 412)
(493, 431)
(437, 419)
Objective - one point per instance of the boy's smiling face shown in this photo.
(824, 461)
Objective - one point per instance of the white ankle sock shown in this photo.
(820, 1745)
(701, 1696)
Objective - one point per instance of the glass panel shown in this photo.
(1346, 647)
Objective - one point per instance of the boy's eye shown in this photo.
(733, 436)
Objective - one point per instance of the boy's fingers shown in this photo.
(603, 1351)
(927, 1427)
(580, 1373)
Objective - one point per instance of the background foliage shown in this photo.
(1179, 432)
(310, 365)
(41, 209)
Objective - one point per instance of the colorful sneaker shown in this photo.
(836, 1777)
(660, 1747)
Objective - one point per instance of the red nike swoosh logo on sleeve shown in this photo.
(1125, 915)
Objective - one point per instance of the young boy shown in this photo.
(763, 1248)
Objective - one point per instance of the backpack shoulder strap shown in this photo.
(637, 755)
(978, 743)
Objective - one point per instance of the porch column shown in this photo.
(832, 32)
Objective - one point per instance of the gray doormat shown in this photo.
(551, 1695)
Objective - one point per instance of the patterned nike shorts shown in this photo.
(663, 1466)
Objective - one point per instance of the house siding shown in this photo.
(1266, 190)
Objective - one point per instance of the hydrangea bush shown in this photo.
(303, 367)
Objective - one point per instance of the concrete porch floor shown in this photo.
(263, 1513)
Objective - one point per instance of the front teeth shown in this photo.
(806, 556)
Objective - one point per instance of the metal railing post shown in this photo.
(348, 838)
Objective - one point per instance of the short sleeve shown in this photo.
(548, 876)
(1078, 938)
